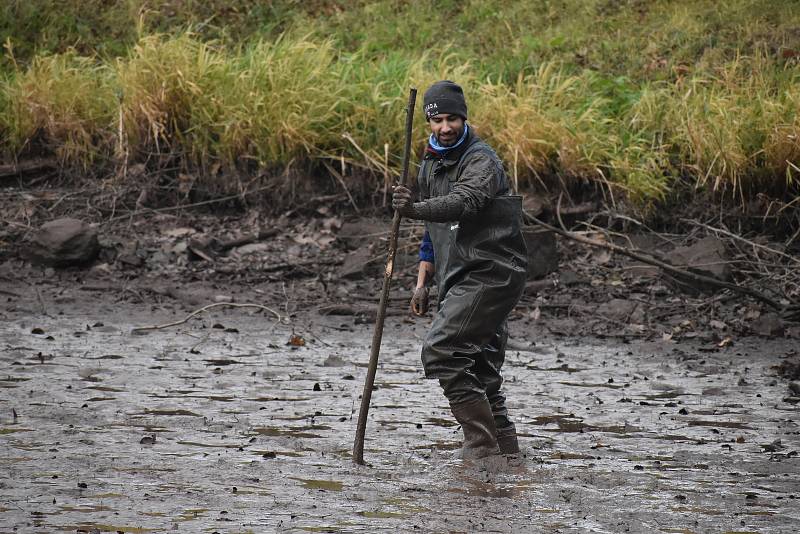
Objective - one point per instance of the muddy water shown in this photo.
(199, 429)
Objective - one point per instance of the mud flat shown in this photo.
(233, 422)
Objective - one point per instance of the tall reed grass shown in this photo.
(297, 99)
(62, 104)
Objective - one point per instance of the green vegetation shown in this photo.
(636, 96)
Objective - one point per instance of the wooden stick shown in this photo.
(27, 167)
(366, 396)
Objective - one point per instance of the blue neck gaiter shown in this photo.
(442, 150)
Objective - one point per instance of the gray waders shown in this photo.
(481, 271)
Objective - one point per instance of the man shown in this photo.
(474, 245)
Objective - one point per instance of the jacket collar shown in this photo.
(452, 156)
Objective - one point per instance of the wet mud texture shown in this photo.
(219, 426)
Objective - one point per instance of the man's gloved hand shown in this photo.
(402, 200)
(419, 301)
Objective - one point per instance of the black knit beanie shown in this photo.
(445, 97)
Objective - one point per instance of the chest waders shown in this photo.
(480, 270)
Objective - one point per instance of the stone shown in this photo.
(63, 243)
(708, 257)
(129, 255)
(355, 234)
(571, 278)
(250, 248)
(334, 360)
(542, 252)
(356, 264)
(768, 325)
(618, 309)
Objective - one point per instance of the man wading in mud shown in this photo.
(474, 246)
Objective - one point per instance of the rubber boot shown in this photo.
(477, 423)
(507, 440)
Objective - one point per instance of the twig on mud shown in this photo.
(194, 347)
(315, 336)
(360, 296)
(14, 223)
(209, 248)
(27, 167)
(184, 206)
(791, 239)
(206, 308)
(287, 266)
(646, 258)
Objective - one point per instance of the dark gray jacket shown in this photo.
(473, 222)
(461, 183)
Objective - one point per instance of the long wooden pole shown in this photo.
(377, 335)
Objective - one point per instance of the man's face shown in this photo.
(446, 128)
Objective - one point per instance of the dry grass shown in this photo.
(691, 90)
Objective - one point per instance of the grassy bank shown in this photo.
(640, 97)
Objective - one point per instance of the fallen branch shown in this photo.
(209, 248)
(742, 239)
(280, 318)
(580, 209)
(27, 167)
(645, 258)
(144, 211)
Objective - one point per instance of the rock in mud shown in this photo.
(63, 243)
(356, 264)
(708, 257)
(130, 256)
(354, 234)
(768, 324)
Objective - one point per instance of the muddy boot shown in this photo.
(477, 423)
(507, 440)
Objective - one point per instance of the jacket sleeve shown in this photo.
(480, 179)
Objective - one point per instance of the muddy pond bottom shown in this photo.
(232, 423)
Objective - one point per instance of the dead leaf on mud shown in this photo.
(296, 341)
